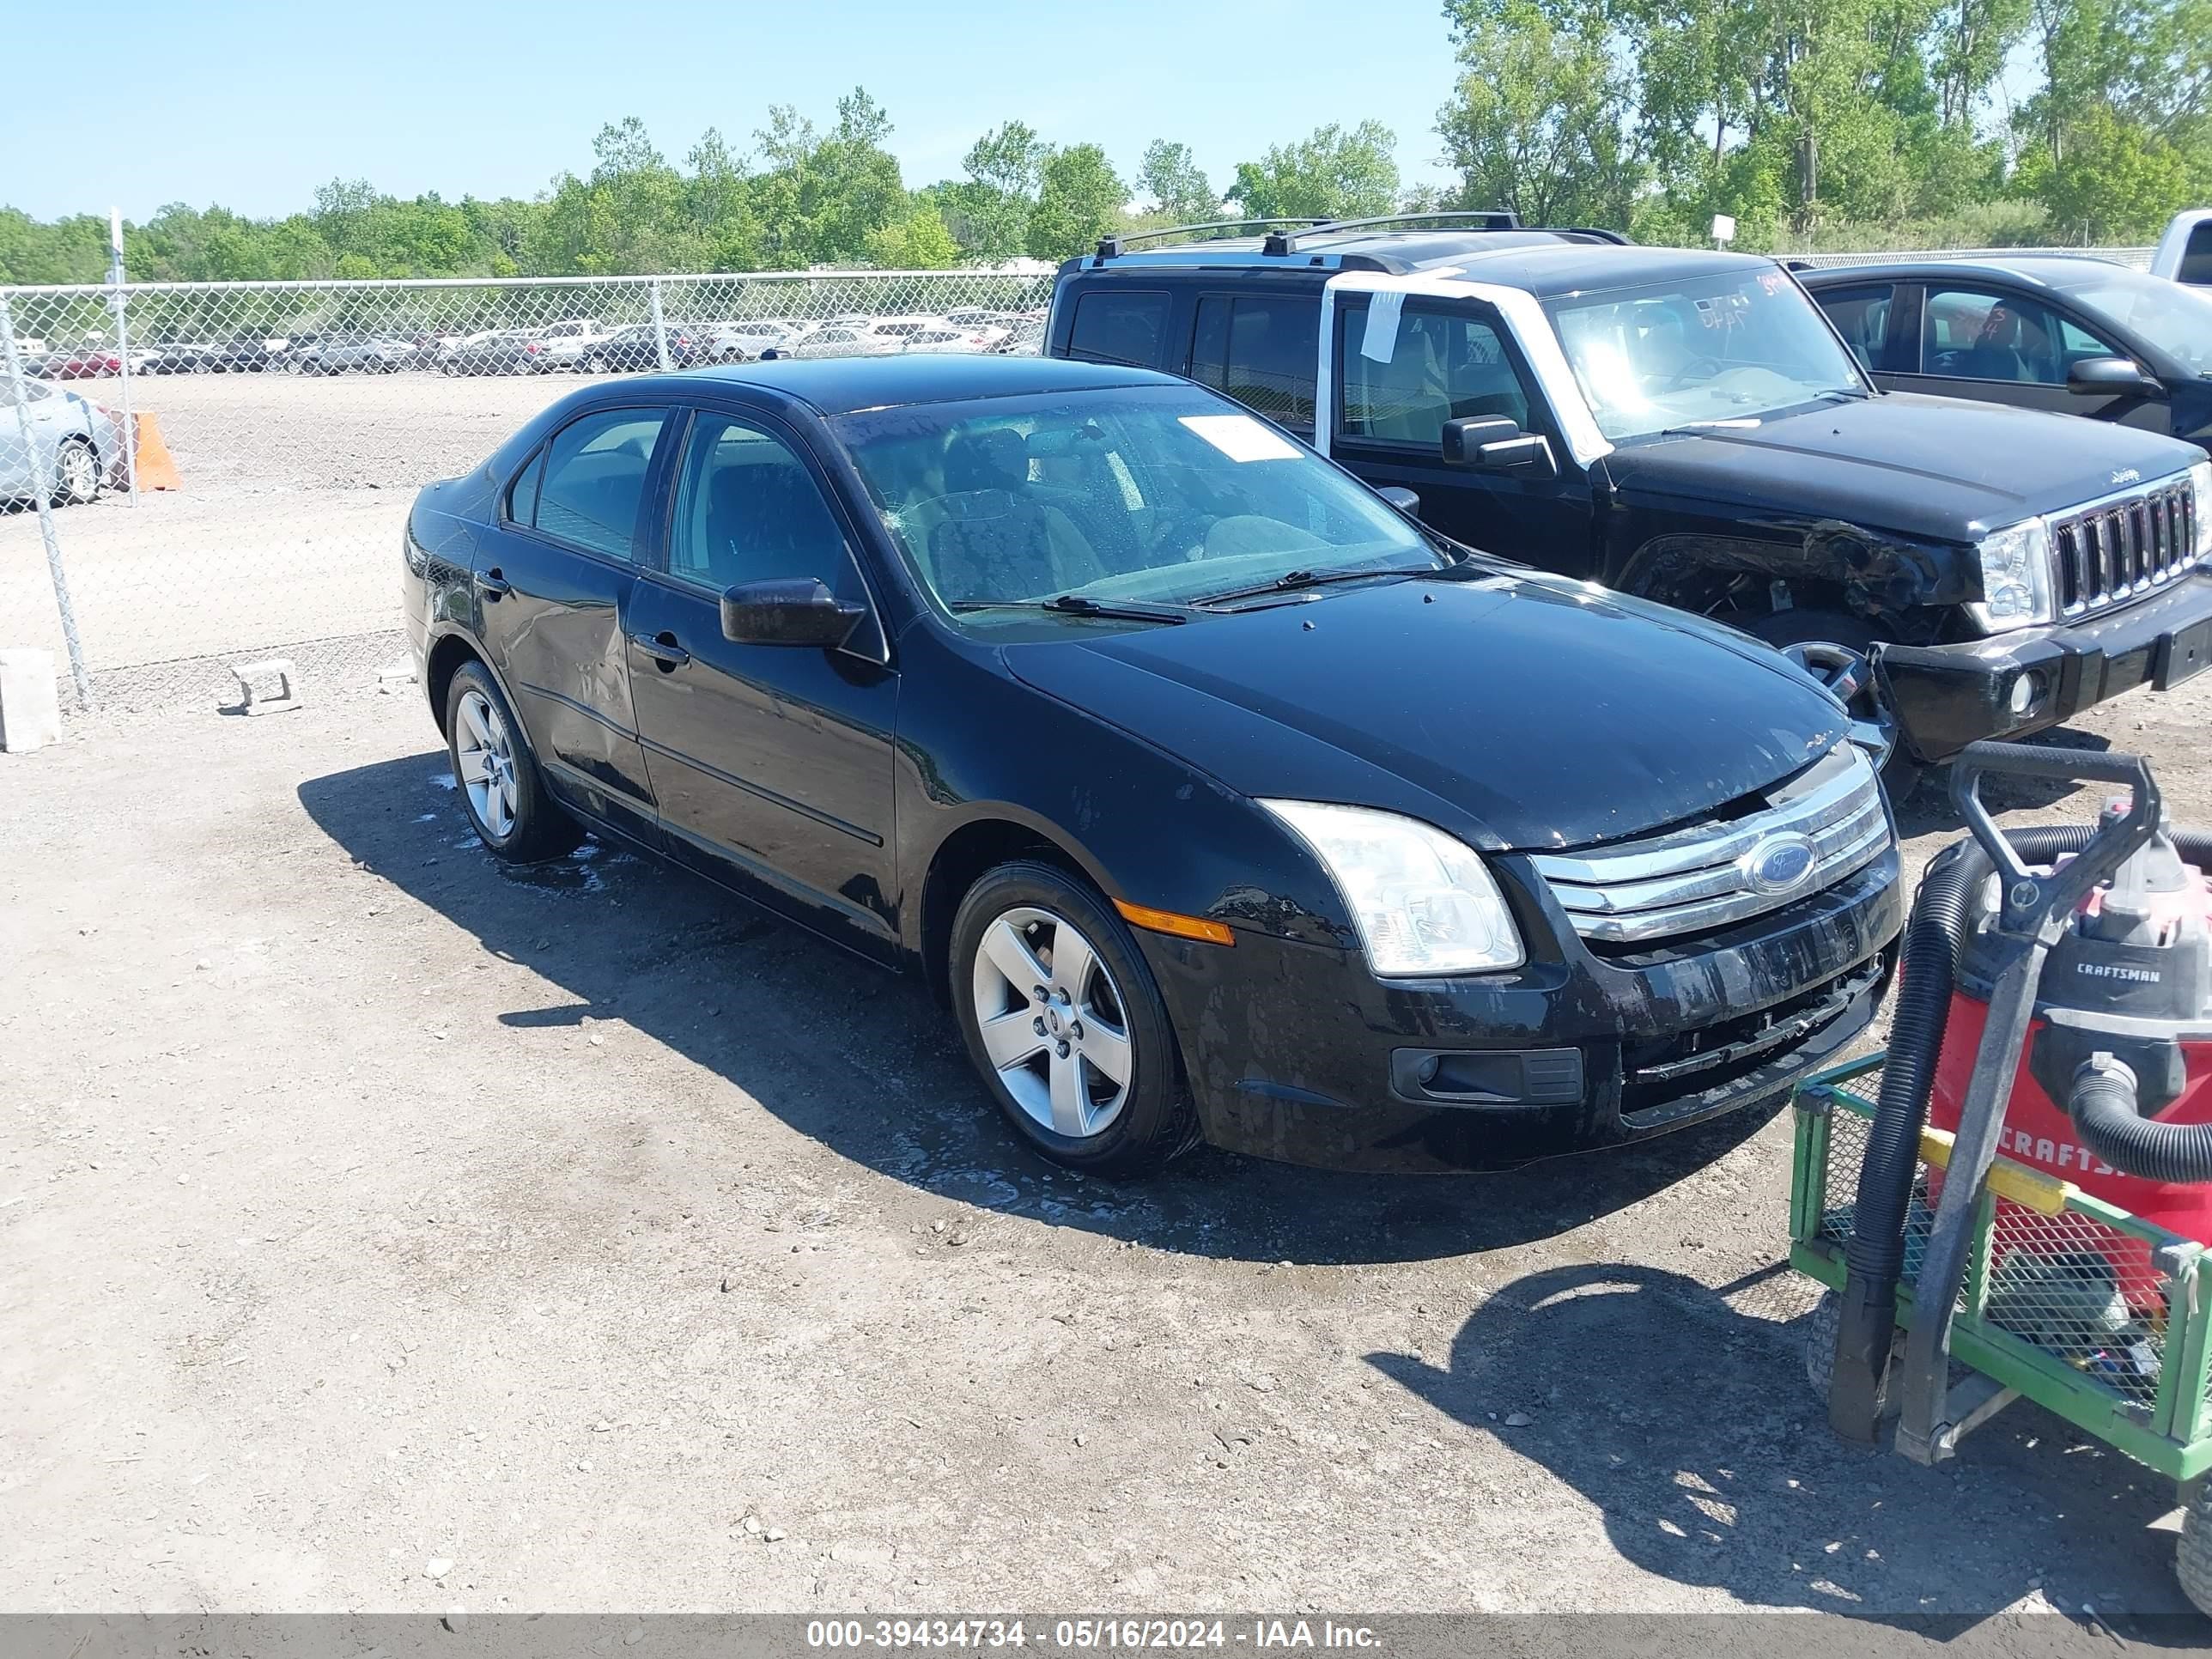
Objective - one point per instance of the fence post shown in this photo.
(42, 489)
(122, 348)
(660, 323)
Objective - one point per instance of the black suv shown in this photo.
(1687, 427)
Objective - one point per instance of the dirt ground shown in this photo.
(381, 1231)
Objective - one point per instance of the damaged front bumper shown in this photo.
(1946, 696)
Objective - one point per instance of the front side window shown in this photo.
(1971, 334)
(2177, 318)
(1116, 325)
(1735, 347)
(1400, 387)
(748, 510)
(1167, 495)
(594, 481)
(1260, 350)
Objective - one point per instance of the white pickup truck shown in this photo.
(2184, 253)
(568, 344)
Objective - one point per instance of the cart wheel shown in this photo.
(2192, 1558)
(1820, 1343)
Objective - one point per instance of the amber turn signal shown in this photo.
(1167, 921)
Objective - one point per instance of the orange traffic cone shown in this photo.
(157, 468)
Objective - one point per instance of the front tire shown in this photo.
(76, 474)
(1065, 1024)
(514, 816)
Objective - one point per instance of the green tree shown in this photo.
(919, 241)
(1333, 174)
(1175, 185)
(1539, 124)
(1079, 200)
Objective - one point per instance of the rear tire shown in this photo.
(515, 816)
(1901, 773)
(1064, 1026)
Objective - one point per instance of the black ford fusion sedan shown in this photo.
(1217, 798)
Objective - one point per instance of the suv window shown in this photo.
(594, 480)
(1975, 335)
(1260, 349)
(1862, 317)
(749, 510)
(1443, 366)
(1114, 325)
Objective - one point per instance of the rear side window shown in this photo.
(1261, 350)
(594, 480)
(1862, 317)
(2197, 258)
(1114, 325)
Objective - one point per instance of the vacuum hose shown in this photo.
(2102, 1108)
(1875, 1255)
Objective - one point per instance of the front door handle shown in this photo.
(662, 648)
(492, 583)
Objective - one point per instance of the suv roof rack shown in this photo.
(1116, 243)
(1476, 218)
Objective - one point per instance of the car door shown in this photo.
(771, 763)
(17, 471)
(554, 572)
(1998, 343)
(1397, 377)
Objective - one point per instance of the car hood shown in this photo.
(1939, 468)
(1515, 712)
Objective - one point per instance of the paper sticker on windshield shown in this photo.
(1241, 438)
(1381, 340)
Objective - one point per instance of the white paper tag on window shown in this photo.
(1241, 438)
(1381, 340)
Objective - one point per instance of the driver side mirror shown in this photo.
(1495, 443)
(787, 610)
(2110, 376)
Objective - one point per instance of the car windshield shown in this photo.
(2164, 312)
(1723, 348)
(1166, 494)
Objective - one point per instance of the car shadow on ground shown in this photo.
(866, 1062)
(1711, 1463)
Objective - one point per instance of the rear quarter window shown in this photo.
(1118, 326)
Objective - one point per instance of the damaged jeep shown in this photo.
(1689, 427)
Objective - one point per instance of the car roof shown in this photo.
(1546, 263)
(2059, 270)
(839, 386)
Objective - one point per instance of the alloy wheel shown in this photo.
(1052, 1022)
(485, 749)
(80, 473)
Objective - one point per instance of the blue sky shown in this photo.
(252, 104)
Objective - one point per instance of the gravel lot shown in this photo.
(386, 1231)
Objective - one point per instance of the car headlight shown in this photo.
(2015, 577)
(2200, 506)
(1424, 903)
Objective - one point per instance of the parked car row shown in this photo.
(1328, 705)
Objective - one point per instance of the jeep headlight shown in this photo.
(2015, 577)
(2200, 507)
(1424, 903)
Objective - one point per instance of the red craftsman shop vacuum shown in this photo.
(2055, 1006)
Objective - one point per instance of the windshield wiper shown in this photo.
(1852, 394)
(1082, 604)
(1293, 580)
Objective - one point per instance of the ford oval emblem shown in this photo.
(1778, 864)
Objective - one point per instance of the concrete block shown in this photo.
(30, 700)
(255, 701)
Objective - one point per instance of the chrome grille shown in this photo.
(1693, 880)
(2116, 549)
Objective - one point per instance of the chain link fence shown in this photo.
(197, 475)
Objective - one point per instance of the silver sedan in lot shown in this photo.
(75, 445)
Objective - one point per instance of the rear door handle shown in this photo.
(662, 648)
(494, 584)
